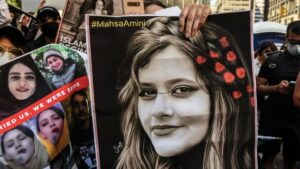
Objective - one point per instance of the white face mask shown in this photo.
(294, 49)
(5, 57)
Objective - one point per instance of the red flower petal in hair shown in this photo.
(228, 77)
(219, 67)
(224, 42)
(236, 94)
(213, 54)
(249, 88)
(231, 56)
(240, 72)
(200, 59)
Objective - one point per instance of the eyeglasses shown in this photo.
(14, 51)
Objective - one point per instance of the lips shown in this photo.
(163, 130)
(23, 150)
(22, 89)
(55, 130)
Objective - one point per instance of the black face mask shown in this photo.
(49, 29)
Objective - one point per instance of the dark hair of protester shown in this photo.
(41, 88)
(47, 12)
(266, 45)
(14, 36)
(56, 110)
(228, 142)
(293, 27)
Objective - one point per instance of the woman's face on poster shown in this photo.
(173, 104)
(18, 146)
(21, 81)
(51, 125)
(55, 63)
(99, 7)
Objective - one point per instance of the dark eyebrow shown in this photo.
(169, 82)
(14, 73)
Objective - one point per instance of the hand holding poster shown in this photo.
(183, 102)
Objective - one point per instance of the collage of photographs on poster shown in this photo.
(45, 120)
(162, 100)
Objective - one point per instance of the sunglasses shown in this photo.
(294, 42)
(14, 51)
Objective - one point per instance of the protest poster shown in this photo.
(162, 100)
(25, 22)
(45, 110)
(72, 29)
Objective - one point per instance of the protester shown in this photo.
(158, 131)
(12, 43)
(281, 118)
(260, 56)
(49, 19)
(21, 149)
(265, 48)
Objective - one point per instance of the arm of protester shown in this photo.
(264, 88)
(296, 94)
(192, 17)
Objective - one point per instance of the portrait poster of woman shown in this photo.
(72, 30)
(165, 101)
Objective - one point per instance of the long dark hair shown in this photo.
(42, 88)
(220, 64)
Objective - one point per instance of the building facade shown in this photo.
(284, 11)
(183, 3)
(232, 5)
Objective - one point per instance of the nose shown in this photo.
(162, 106)
(23, 82)
(17, 144)
(52, 124)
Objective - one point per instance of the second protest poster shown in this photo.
(166, 101)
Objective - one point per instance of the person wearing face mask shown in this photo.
(12, 43)
(281, 117)
(49, 19)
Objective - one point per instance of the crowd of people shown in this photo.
(277, 80)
